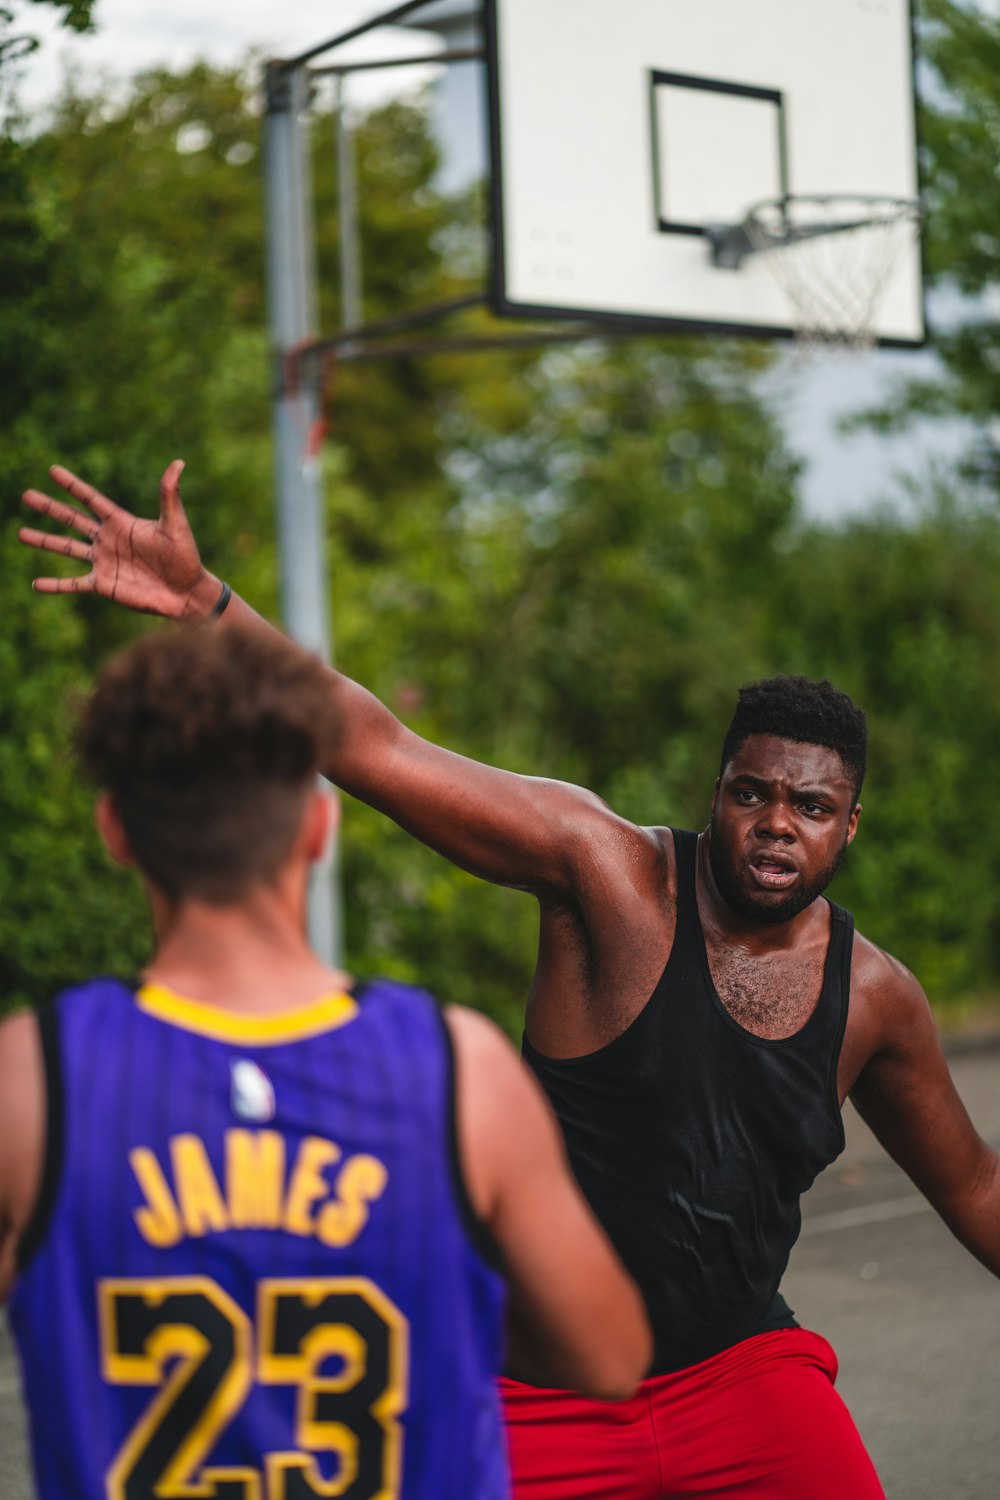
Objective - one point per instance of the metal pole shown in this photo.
(296, 409)
(453, 54)
(386, 18)
(347, 213)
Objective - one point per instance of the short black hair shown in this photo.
(800, 708)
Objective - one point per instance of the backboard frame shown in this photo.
(507, 305)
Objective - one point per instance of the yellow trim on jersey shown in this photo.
(324, 1014)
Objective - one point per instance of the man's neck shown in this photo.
(253, 957)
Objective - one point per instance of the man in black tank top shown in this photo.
(698, 1015)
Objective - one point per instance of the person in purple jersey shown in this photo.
(698, 1016)
(258, 1222)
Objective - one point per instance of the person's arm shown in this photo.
(906, 1095)
(576, 1318)
(22, 1135)
(514, 830)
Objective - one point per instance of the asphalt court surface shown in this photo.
(914, 1319)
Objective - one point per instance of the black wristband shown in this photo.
(221, 602)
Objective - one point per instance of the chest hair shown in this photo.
(771, 996)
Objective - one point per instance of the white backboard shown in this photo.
(621, 129)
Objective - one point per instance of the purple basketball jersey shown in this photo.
(253, 1273)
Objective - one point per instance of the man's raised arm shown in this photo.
(513, 830)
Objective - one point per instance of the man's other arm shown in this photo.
(906, 1095)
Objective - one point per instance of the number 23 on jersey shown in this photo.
(340, 1342)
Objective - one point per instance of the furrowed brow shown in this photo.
(800, 793)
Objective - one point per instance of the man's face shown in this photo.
(782, 815)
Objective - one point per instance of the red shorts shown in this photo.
(761, 1421)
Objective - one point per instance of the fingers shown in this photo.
(82, 585)
(95, 502)
(66, 546)
(171, 506)
(64, 515)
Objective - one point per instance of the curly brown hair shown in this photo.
(208, 740)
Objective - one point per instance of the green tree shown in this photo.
(911, 605)
(78, 15)
(960, 132)
(133, 326)
(536, 558)
(561, 561)
(115, 323)
(904, 616)
(17, 44)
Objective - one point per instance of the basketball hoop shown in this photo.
(830, 253)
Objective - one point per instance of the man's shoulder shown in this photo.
(22, 1131)
(668, 847)
(650, 857)
(20, 1072)
(881, 978)
(18, 1034)
(23, 1032)
(602, 841)
(593, 815)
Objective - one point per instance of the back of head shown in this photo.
(803, 709)
(208, 740)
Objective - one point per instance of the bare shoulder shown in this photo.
(902, 1088)
(502, 1117)
(883, 982)
(16, 1032)
(22, 1132)
(22, 1088)
(614, 846)
(889, 1014)
(20, 1062)
(490, 1075)
(590, 817)
(656, 853)
(660, 843)
(476, 1039)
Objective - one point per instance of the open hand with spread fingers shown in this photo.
(151, 566)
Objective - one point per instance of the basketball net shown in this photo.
(832, 256)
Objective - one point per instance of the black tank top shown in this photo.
(694, 1140)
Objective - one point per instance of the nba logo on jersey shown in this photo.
(252, 1093)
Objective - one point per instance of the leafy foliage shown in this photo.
(960, 139)
(123, 330)
(78, 15)
(17, 44)
(905, 618)
(561, 562)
